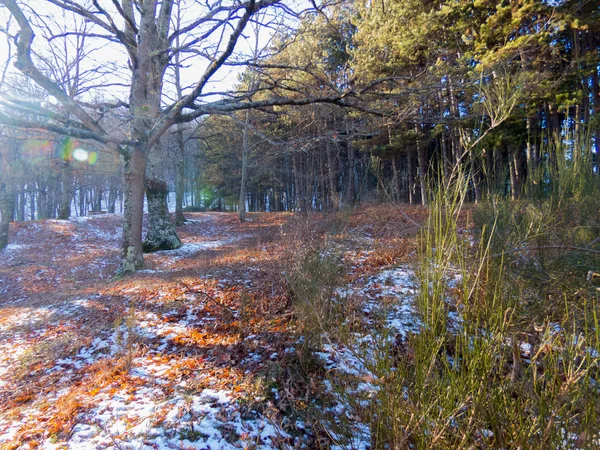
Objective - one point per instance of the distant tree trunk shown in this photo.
(332, 173)
(121, 201)
(32, 201)
(112, 196)
(556, 149)
(66, 193)
(515, 175)
(422, 155)
(22, 201)
(180, 184)
(82, 208)
(411, 177)
(298, 184)
(180, 175)
(531, 160)
(396, 185)
(161, 229)
(310, 183)
(350, 187)
(54, 196)
(6, 213)
(455, 113)
(97, 199)
(42, 201)
(245, 152)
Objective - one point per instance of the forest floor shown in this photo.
(198, 350)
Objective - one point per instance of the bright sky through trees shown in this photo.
(114, 56)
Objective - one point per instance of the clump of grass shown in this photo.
(504, 377)
(312, 281)
(489, 368)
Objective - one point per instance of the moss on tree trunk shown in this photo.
(161, 229)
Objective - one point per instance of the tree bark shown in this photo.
(422, 155)
(22, 201)
(131, 250)
(32, 203)
(332, 172)
(6, 213)
(66, 193)
(112, 197)
(180, 175)
(350, 188)
(515, 179)
(411, 177)
(161, 233)
(42, 200)
(298, 184)
(245, 152)
(180, 183)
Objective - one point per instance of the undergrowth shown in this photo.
(508, 349)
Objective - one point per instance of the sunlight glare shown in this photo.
(80, 154)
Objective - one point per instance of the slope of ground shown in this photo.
(188, 353)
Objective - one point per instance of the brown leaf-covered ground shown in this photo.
(189, 352)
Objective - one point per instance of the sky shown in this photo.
(113, 59)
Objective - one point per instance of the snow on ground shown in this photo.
(189, 249)
(103, 363)
(388, 303)
(154, 362)
(388, 298)
(389, 294)
(149, 418)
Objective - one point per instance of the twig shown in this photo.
(595, 241)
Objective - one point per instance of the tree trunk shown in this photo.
(134, 174)
(350, 188)
(53, 196)
(298, 185)
(180, 184)
(531, 160)
(112, 196)
(514, 174)
(411, 177)
(66, 193)
(161, 233)
(422, 155)
(161, 230)
(6, 213)
(97, 201)
(245, 152)
(42, 201)
(32, 203)
(82, 208)
(332, 172)
(22, 201)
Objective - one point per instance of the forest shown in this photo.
(290, 224)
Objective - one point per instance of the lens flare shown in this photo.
(80, 154)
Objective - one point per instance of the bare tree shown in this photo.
(253, 83)
(142, 30)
